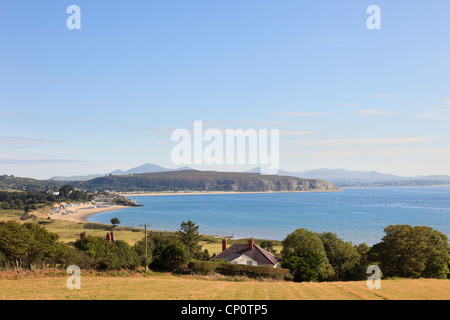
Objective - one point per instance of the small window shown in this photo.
(249, 263)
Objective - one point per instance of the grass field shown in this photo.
(169, 287)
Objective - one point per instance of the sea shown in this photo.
(357, 215)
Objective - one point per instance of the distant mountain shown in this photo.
(76, 178)
(145, 168)
(341, 174)
(193, 180)
(347, 178)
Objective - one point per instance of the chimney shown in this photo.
(224, 244)
(251, 242)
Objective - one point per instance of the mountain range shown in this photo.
(145, 168)
(348, 178)
(339, 177)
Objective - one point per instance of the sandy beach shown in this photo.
(80, 213)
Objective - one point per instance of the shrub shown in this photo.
(164, 251)
(108, 255)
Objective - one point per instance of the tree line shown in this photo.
(31, 246)
(31, 200)
(404, 251)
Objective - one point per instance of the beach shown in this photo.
(80, 213)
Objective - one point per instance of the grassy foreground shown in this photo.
(169, 287)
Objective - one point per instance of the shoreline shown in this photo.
(80, 213)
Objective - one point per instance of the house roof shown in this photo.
(258, 254)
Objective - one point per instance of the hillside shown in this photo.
(192, 180)
(26, 184)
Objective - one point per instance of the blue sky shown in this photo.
(109, 95)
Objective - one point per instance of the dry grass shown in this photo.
(169, 287)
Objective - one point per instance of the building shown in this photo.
(249, 254)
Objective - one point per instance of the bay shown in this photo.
(354, 214)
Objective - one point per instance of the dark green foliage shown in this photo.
(206, 256)
(108, 255)
(304, 254)
(168, 251)
(31, 200)
(413, 252)
(115, 221)
(27, 184)
(268, 245)
(190, 237)
(139, 247)
(343, 257)
(78, 258)
(164, 251)
(30, 245)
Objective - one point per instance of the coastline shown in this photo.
(80, 213)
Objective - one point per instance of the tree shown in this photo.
(343, 256)
(190, 237)
(28, 245)
(168, 252)
(206, 256)
(304, 255)
(139, 247)
(115, 221)
(412, 252)
(267, 245)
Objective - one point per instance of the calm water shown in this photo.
(357, 215)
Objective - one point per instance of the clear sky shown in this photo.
(109, 95)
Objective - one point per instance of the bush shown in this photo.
(230, 269)
(108, 255)
(168, 252)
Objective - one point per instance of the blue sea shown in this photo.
(354, 214)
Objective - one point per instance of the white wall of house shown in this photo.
(243, 259)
